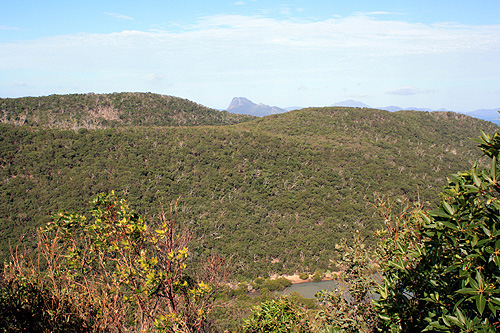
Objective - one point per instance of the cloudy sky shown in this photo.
(436, 54)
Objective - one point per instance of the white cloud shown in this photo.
(406, 91)
(7, 28)
(239, 3)
(378, 13)
(285, 11)
(232, 41)
(356, 31)
(226, 53)
(358, 96)
(154, 78)
(120, 16)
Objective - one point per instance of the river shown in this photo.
(309, 289)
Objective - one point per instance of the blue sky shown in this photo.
(436, 54)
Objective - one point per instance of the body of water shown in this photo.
(309, 289)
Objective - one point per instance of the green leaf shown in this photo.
(426, 218)
(493, 308)
(480, 303)
(479, 278)
(467, 291)
(474, 240)
(384, 317)
(474, 284)
(448, 208)
(494, 170)
(460, 316)
(476, 179)
(455, 320)
(450, 225)
(439, 213)
(486, 231)
(383, 292)
(485, 137)
(471, 188)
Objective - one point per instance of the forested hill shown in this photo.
(275, 194)
(93, 111)
(364, 126)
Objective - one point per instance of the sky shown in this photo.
(433, 54)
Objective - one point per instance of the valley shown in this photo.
(274, 194)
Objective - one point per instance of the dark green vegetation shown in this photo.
(92, 111)
(442, 268)
(281, 316)
(437, 271)
(274, 194)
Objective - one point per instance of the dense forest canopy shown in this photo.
(274, 193)
(92, 111)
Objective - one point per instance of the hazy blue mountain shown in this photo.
(391, 108)
(291, 108)
(244, 106)
(486, 114)
(414, 108)
(351, 103)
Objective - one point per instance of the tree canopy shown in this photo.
(266, 191)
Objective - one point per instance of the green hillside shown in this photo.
(93, 111)
(274, 194)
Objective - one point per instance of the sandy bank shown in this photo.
(295, 279)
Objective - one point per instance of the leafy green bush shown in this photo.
(259, 281)
(348, 308)
(304, 276)
(276, 284)
(442, 269)
(280, 315)
(241, 289)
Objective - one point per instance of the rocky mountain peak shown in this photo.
(239, 102)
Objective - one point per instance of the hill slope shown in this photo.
(275, 193)
(93, 111)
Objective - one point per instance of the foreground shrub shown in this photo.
(442, 268)
(348, 308)
(24, 307)
(280, 315)
(116, 270)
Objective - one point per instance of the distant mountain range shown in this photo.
(244, 106)
(351, 103)
(486, 114)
